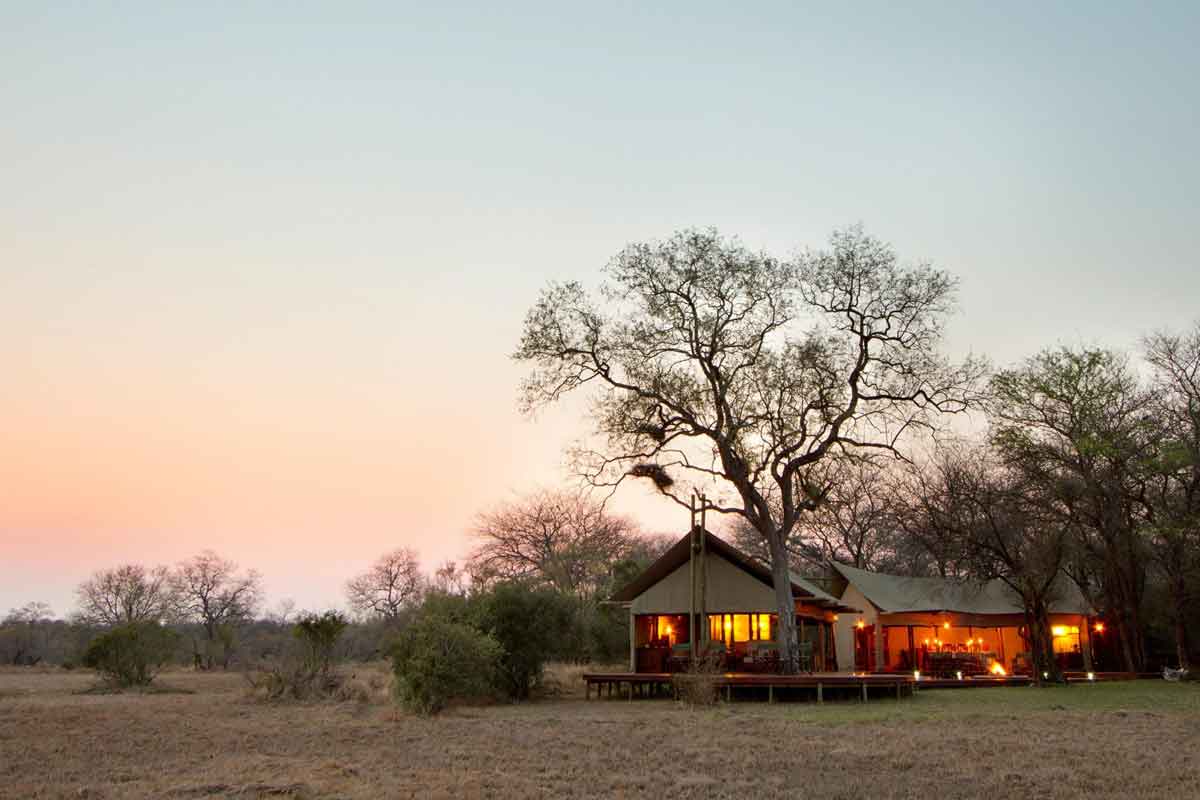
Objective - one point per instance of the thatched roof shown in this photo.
(897, 594)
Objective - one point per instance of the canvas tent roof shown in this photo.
(898, 595)
(678, 555)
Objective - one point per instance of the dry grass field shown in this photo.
(208, 739)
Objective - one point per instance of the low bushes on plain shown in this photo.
(308, 670)
(131, 655)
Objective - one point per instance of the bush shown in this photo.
(698, 686)
(436, 661)
(318, 635)
(531, 626)
(131, 655)
(306, 671)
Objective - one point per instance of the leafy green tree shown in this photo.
(1074, 422)
(531, 625)
(1174, 490)
(437, 660)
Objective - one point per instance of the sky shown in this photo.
(263, 266)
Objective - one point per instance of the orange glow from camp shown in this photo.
(997, 669)
(946, 625)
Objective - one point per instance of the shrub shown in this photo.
(307, 671)
(531, 626)
(131, 655)
(436, 660)
(319, 634)
(698, 686)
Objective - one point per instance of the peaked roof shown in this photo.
(898, 594)
(679, 553)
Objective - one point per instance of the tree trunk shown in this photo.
(211, 630)
(1041, 643)
(789, 644)
(1178, 607)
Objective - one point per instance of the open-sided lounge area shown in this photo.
(949, 629)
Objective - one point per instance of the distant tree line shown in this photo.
(557, 545)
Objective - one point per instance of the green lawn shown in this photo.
(1011, 702)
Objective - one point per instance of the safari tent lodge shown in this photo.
(706, 599)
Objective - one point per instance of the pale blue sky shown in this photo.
(280, 254)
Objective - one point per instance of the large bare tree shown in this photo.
(126, 594)
(212, 593)
(392, 584)
(715, 366)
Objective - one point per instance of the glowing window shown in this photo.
(1066, 638)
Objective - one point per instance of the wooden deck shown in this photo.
(655, 684)
(819, 684)
(980, 681)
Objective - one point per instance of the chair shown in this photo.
(762, 657)
(806, 656)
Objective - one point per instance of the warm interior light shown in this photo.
(835, 617)
(1091, 676)
(916, 674)
(946, 625)
(1059, 630)
(1099, 627)
(861, 624)
(997, 669)
(958, 675)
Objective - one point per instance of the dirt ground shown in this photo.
(209, 739)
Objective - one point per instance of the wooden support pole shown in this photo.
(633, 640)
(770, 694)
(820, 692)
(864, 691)
(1085, 643)
(692, 626)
